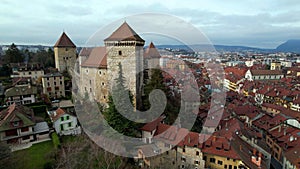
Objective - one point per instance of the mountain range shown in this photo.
(288, 46)
(292, 45)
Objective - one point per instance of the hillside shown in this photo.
(290, 46)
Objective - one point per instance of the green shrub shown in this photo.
(55, 140)
(40, 110)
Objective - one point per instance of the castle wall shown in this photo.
(94, 84)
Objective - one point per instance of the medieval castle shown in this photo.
(98, 67)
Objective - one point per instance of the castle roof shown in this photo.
(124, 33)
(85, 51)
(64, 41)
(152, 52)
(97, 58)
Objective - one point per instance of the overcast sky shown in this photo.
(254, 23)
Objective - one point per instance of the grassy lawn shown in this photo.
(34, 157)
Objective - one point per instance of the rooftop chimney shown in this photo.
(214, 138)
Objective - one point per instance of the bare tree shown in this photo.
(85, 154)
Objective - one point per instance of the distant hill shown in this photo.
(292, 45)
(220, 48)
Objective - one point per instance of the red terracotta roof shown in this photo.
(246, 110)
(266, 72)
(170, 134)
(283, 133)
(273, 106)
(240, 72)
(151, 126)
(246, 152)
(263, 122)
(97, 58)
(124, 33)
(220, 146)
(291, 113)
(296, 101)
(191, 140)
(230, 127)
(58, 114)
(293, 155)
(278, 119)
(64, 41)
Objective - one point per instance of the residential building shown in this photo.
(234, 76)
(295, 105)
(21, 94)
(25, 70)
(53, 85)
(264, 75)
(222, 149)
(280, 139)
(18, 126)
(218, 153)
(275, 66)
(293, 71)
(64, 122)
(186, 152)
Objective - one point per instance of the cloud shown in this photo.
(230, 22)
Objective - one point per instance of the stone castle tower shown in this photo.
(151, 60)
(64, 53)
(125, 46)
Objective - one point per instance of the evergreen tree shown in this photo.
(13, 55)
(120, 100)
(173, 103)
(156, 82)
(5, 70)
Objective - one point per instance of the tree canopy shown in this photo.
(43, 57)
(156, 81)
(13, 55)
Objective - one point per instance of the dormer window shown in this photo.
(16, 123)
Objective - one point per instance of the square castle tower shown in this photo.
(99, 66)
